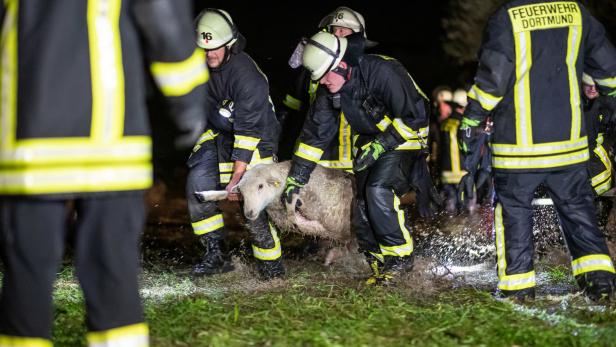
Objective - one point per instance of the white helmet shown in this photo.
(346, 18)
(215, 29)
(459, 97)
(323, 53)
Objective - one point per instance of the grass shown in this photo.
(316, 306)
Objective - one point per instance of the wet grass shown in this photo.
(317, 306)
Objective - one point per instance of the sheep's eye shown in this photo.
(260, 186)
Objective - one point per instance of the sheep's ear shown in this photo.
(273, 182)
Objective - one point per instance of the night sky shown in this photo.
(272, 30)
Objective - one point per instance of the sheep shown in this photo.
(326, 199)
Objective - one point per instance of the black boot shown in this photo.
(598, 285)
(521, 295)
(270, 269)
(213, 261)
(394, 267)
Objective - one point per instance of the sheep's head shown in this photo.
(260, 186)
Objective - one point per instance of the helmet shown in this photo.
(587, 80)
(459, 97)
(346, 18)
(323, 52)
(215, 29)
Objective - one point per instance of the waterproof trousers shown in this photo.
(573, 197)
(378, 221)
(210, 168)
(106, 244)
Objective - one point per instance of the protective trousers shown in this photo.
(210, 168)
(378, 221)
(572, 194)
(107, 232)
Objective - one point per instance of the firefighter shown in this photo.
(342, 22)
(529, 79)
(597, 112)
(242, 131)
(389, 116)
(75, 128)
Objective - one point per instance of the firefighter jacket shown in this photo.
(529, 77)
(239, 108)
(73, 117)
(380, 101)
(599, 115)
(450, 158)
(338, 154)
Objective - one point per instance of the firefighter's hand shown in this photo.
(369, 155)
(466, 188)
(291, 192)
(189, 123)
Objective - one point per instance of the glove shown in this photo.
(368, 156)
(466, 188)
(190, 123)
(227, 109)
(291, 189)
(429, 201)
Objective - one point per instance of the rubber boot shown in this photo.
(214, 261)
(598, 286)
(394, 267)
(519, 296)
(270, 269)
(376, 265)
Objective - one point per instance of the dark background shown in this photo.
(437, 41)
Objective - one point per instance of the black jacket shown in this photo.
(75, 117)
(380, 100)
(252, 122)
(529, 77)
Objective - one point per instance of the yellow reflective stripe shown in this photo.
(517, 281)
(206, 136)
(499, 232)
(225, 167)
(602, 154)
(135, 335)
(344, 139)
(408, 133)
(607, 82)
(225, 178)
(378, 256)
(592, 262)
(604, 187)
(452, 177)
(507, 282)
(107, 72)
(486, 100)
(573, 46)
(540, 148)
(54, 151)
(540, 162)
(208, 225)
(312, 90)
(269, 253)
(20, 341)
(523, 63)
(406, 248)
(409, 145)
(180, 78)
(454, 150)
(76, 178)
(246, 142)
(384, 123)
(8, 80)
(292, 103)
(336, 164)
(308, 152)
